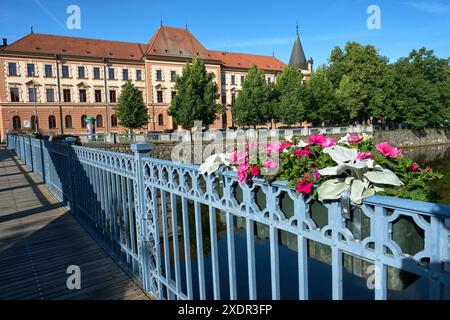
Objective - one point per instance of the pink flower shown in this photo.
(317, 139)
(242, 172)
(364, 155)
(328, 143)
(354, 139)
(270, 164)
(255, 170)
(285, 145)
(274, 147)
(316, 175)
(387, 151)
(304, 187)
(301, 153)
(427, 168)
(414, 167)
(237, 157)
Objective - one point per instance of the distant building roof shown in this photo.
(244, 60)
(298, 58)
(84, 47)
(167, 41)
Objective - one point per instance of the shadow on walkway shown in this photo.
(39, 240)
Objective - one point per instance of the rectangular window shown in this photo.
(159, 96)
(12, 69)
(174, 93)
(96, 73)
(233, 79)
(14, 94)
(111, 74)
(66, 95)
(65, 71)
(82, 95)
(32, 94)
(112, 95)
(139, 75)
(224, 99)
(242, 80)
(50, 93)
(269, 80)
(173, 74)
(48, 70)
(30, 69)
(81, 72)
(158, 75)
(98, 95)
(224, 79)
(233, 97)
(125, 74)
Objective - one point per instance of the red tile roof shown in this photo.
(167, 41)
(45, 43)
(244, 60)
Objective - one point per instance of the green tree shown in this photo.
(130, 109)
(319, 100)
(254, 103)
(196, 96)
(358, 74)
(421, 88)
(290, 109)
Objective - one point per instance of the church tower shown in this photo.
(298, 58)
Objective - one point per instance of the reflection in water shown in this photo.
(356, 273)
(438, 157)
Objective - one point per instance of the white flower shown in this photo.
(213, 163)
(289, 137)
(302, 144)
(363, 177)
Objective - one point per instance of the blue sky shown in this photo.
(260, 27)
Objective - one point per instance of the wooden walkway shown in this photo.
(39, 239)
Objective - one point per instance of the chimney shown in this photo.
(5, 42)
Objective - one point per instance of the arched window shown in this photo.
(83, 121)
(68, 121)
(34, 121)
(99, 121)
(16, 122)
(51, 122)
(160, 119)
(113, 120)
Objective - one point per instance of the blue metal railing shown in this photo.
(157, 217)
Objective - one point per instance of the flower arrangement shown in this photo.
(324, 168)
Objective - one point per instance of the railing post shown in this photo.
(31, 153)
(146, 269)
(70, 141)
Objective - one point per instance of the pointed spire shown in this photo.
(298, 58)
(161, 23)
(31, 31)
(187, 26)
